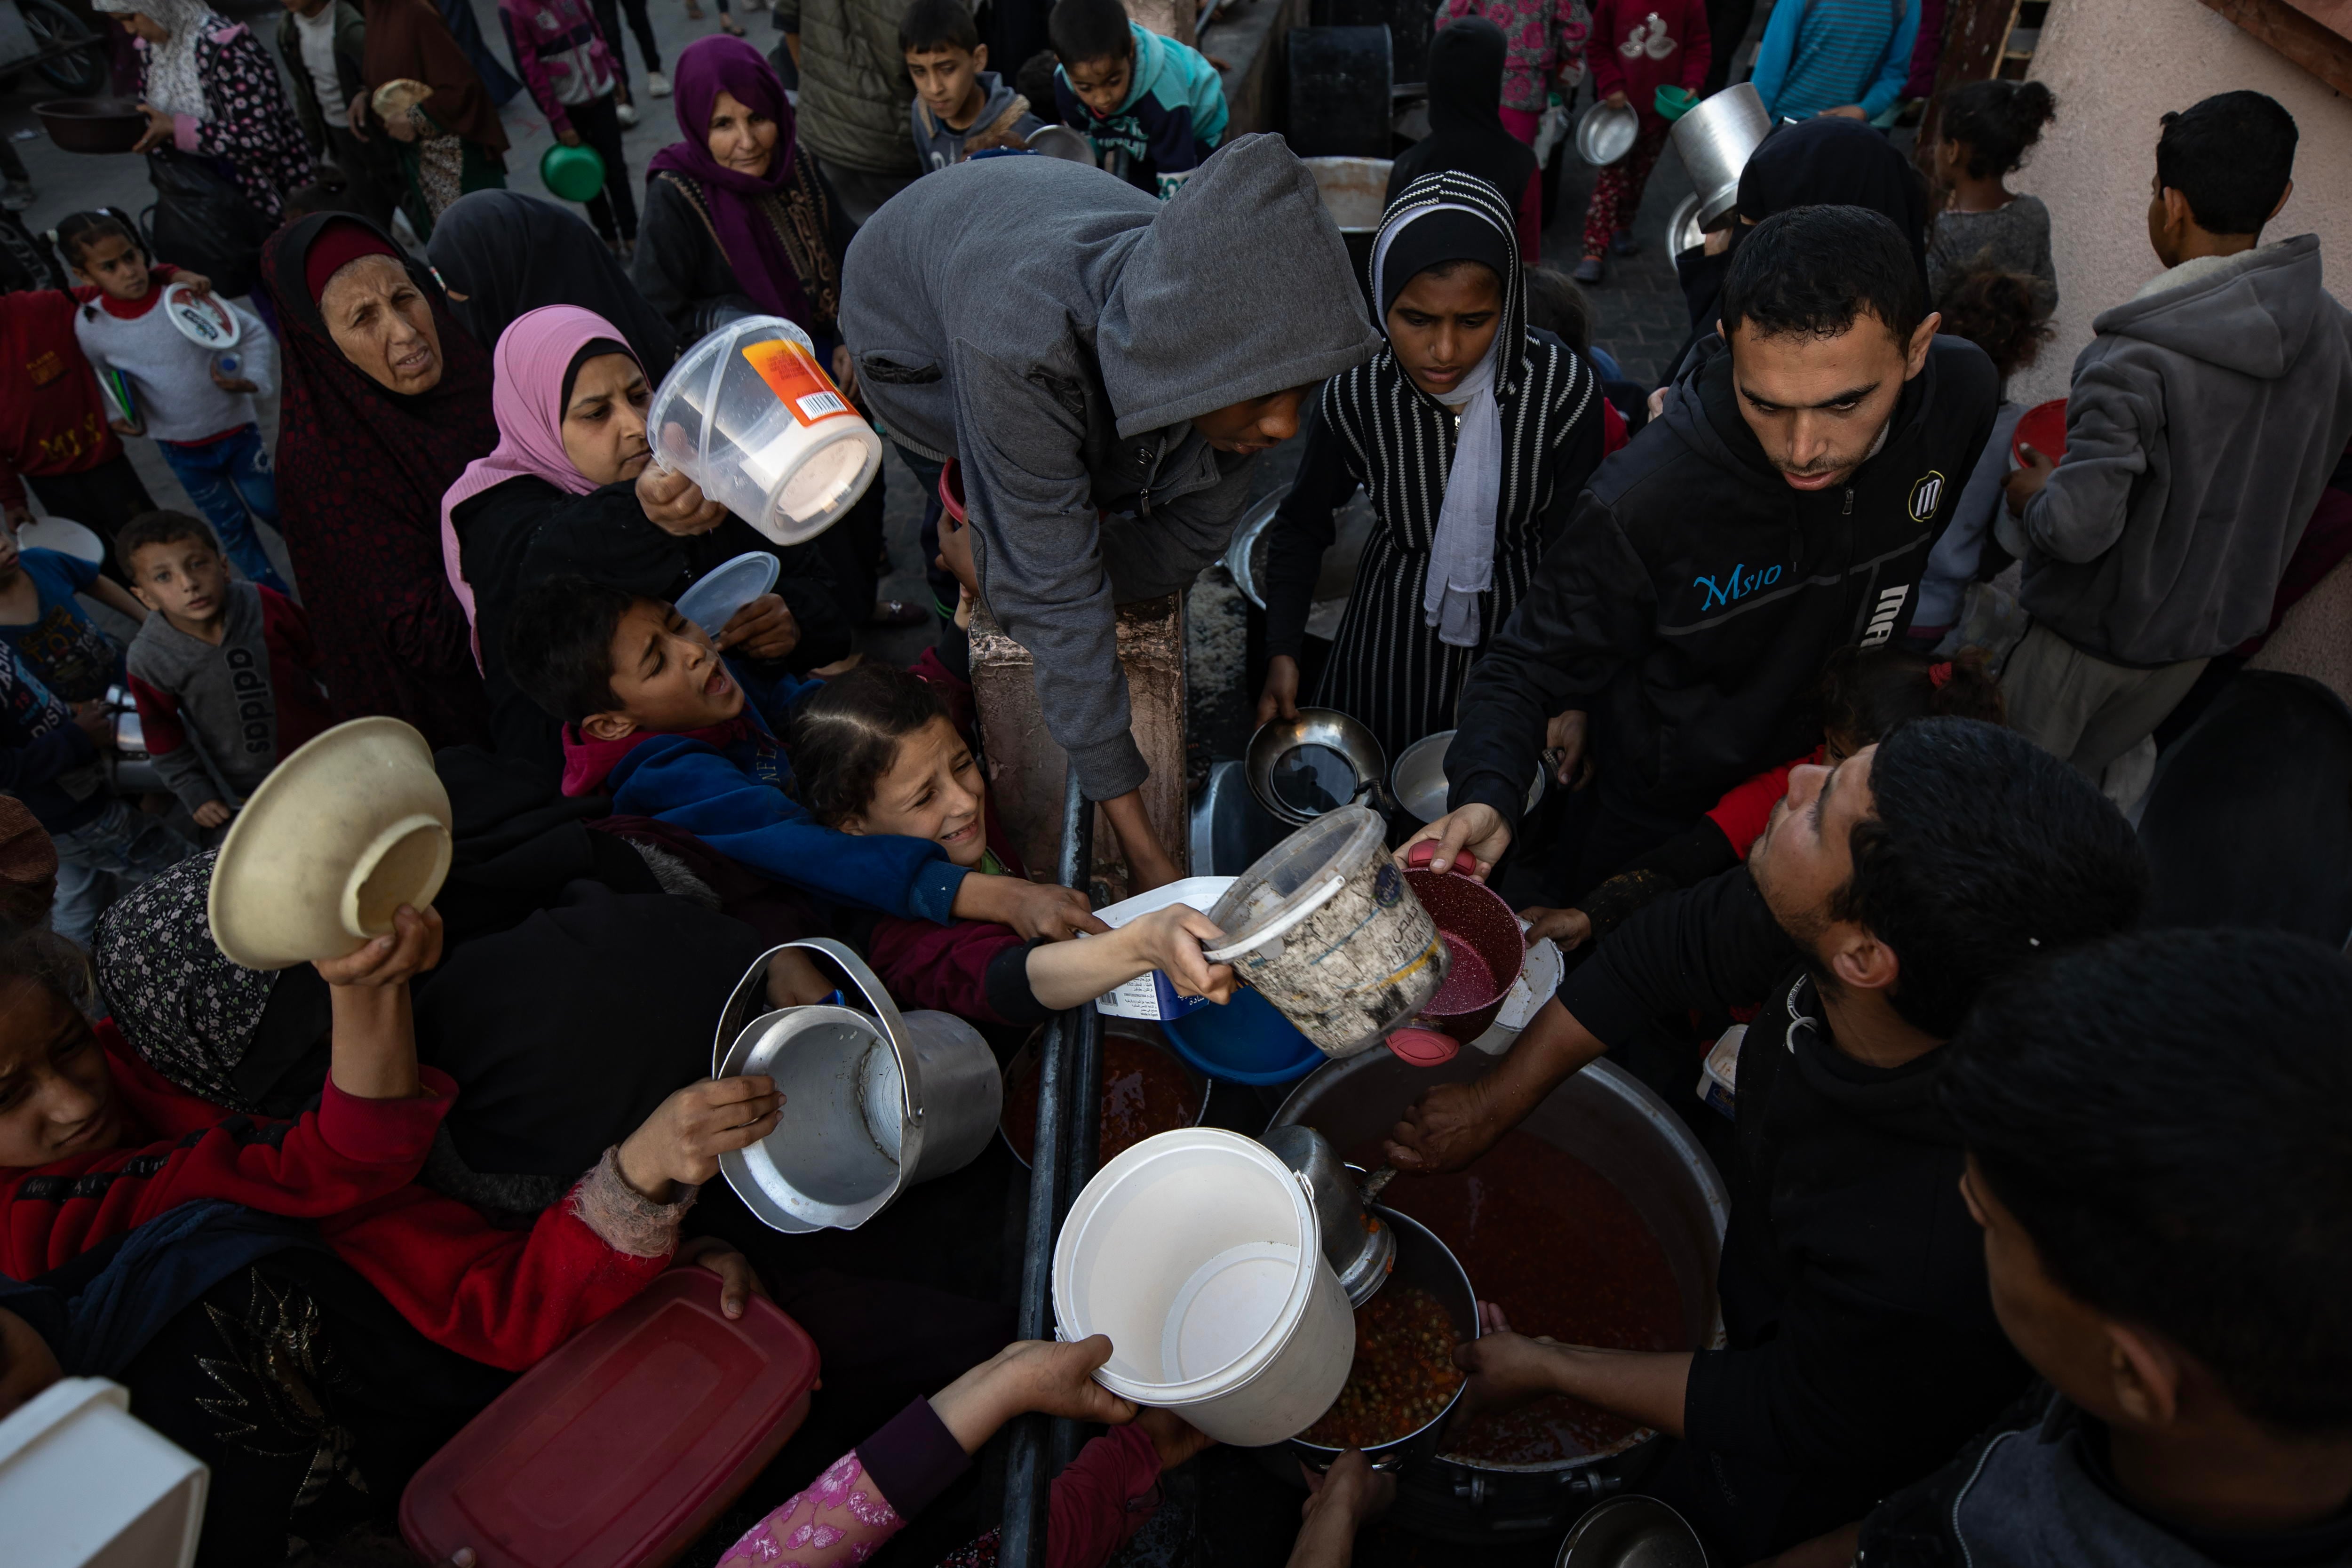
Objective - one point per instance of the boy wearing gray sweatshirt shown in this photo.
(224, 673)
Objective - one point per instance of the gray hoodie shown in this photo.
(1003, 122)
(1056, 331)
(2202, 421)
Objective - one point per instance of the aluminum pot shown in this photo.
(1322, 752)
(1682, 230)
(876, 1101)
(1714, 141)
(1631, 1533)
(1421, 1260)
(1245, 558)
(1359, 1248)
(1608, 1119)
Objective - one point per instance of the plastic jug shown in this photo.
(624, 1445)
(83, 1484)
(750, 416)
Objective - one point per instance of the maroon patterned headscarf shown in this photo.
(762, 265)
(361, 472)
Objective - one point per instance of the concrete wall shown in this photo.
(2115, 65)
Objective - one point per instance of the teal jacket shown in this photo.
(1173, 118)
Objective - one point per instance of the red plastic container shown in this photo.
(2041, 428)
(621, 1447)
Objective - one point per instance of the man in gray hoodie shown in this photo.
(2203, 420)
(1101, 367)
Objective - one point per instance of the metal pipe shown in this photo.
(1072, 1051)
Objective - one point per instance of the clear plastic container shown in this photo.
(749, 415)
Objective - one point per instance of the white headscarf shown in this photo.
(174, 83)
(1462, 550)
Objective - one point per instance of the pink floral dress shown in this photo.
(1545, 37)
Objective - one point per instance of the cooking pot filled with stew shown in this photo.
(1598, 1221)
(1403, 1386)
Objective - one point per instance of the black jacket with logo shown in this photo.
(1694, 596)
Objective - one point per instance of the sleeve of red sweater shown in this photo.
(505, 1298)
(347, 1152)
(1698, 49)
(1107, 1494)
(973, 969)
(1600, 50)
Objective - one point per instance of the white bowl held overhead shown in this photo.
(338, 837)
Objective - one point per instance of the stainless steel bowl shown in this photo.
(1418, 780)
(1301, 768)
(1631, 1533)
(1355, 191)
(1714, 141)
(1606, 133)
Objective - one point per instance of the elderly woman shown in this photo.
(739, 221)
(451, 143)
(208, 88)
(386, 401)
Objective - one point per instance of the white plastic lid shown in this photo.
(726, 588)
(201, 318)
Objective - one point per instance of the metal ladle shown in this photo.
(1360, 1249)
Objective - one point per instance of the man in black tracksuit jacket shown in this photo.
(1860, 1345)
(1706, 576)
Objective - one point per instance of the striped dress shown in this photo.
(1373, 428)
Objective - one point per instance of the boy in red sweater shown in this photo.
(53, 433)
(1637, 46)
(94, 1143)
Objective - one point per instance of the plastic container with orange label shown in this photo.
(750, 416)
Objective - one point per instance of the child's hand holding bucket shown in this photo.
(1172, 941)
(1030, 1376)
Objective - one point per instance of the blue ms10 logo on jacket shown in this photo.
(1736, 583)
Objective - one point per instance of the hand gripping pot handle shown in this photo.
(750, 1001)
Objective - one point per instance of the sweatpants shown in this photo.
(1617, 189)
(608, 22)
(102, 497)
(106, 857)
(2085, 708)
(598, 124)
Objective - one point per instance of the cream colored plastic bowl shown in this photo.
(340, 835)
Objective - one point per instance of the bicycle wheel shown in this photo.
(80, 70)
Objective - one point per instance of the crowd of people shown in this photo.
(1845, 689)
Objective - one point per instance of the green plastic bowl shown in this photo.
(1673, 102)
(574, 173)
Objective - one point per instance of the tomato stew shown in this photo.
(1144, 1093)
(1403, 1375)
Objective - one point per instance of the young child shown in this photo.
(54, 434)
(201, 417)
(654, 717)
(41, 619)
(2002, 313)
(1035, 81)
(1153, 108)
(1637, 46)
(1863, 694)
(2201, 425)
(876, 750)
(224, 673)
(2156, 1152)
(961, 106)
(1987, 127)
(94, 1143)
(569, 72)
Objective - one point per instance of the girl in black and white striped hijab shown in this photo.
(1471, 436)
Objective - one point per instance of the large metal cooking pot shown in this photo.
(875, 1101)
(1606, 1118)
(1714, 141)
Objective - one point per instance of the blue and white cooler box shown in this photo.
(1151, 996)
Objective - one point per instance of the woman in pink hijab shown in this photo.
(570, 487)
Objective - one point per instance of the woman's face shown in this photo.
(932, 790)
(1442, 325)
(604, 422)
(382, 322)
(143, 25)
(741, 138)
(55, 1098)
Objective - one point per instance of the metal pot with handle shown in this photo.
(875, 1101)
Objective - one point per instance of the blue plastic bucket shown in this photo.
(1244, 1041)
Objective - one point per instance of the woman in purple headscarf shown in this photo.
(739, 221)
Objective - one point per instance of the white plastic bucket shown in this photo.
(1197, 1252)
(750, 416)
(85, 1485)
